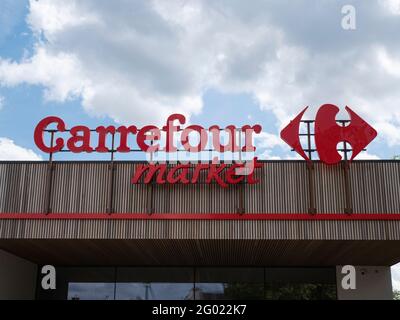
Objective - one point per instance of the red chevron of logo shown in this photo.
(328, 134)
(290, 134)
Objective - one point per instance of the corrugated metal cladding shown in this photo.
(82, 187)
(85, 187)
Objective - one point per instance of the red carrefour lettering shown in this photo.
(39, 134)
(170, 129)
(231, 145)
(103, 131)
(148, 133)
(79, 134)
(123, 139)
(248, 134)
(81, 137)
(203, 138)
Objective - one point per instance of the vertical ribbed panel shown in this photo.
(83, 187)
(281, 189)
(375, 186)
(80, 187)
(128, 197)
(23, 187)
(200, 229)
(329, 188)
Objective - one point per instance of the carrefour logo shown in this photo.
(328, 134)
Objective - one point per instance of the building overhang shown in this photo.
(203, 252)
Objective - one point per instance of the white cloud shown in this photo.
(124, 61)
(2, 100)
(58, 73)
(266, 142)
(10, 151)
(392, 6)
(389, 64)
(143, 60)
(294, 156)
(390, 131)
(50, 17)
(268, 155)
(269, 140)
(364, 155)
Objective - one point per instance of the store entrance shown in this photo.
(192, 283)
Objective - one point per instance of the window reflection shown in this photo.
(300, 284)
(154, 284)
(229, 283)
(90, 291)
(81, 283)
(300, 291)
(154, 291)
(182, 283)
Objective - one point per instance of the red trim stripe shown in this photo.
(200, 216)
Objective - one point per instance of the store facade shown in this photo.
(201, 237)
(152, 229)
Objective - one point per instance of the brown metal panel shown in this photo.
(375, 186)
(329, 188)
(200, 229)
(80, 187)
(22, 187)
(128, 197)
(283, 188)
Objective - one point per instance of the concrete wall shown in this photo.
(17, 277)
(372, 283)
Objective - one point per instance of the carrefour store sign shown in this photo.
(196, 141)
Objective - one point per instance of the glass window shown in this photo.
(182, 283)
(90, 291)
(154, 284)
(229, 283)
(81, 284)
(300, 284)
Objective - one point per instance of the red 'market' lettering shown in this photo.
(197, 171)
(250, 177)
(214, 172)
(231, 176)
(151, 171)
(182, 176)
(221, 174)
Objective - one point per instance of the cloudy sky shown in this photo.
(218, 62)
